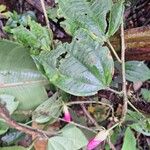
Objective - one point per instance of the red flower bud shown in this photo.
(67, 116)
(100, 137)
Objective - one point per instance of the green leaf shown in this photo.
(71, 138)
(133, 116)
(52, 12)
(137, 71)
(11, 105)
(142, 127)
(115, 18)
(129, 140)
(19, 76)
(80, 68)
(82, 15)
(18, 19)
(49, 110)
(9, 102)
(42, 34)
(3, 127)
(100, 8)
(145, 94)
(37, 38)
(12, 137)
(91, 16)
(24, 36)
(13, 148)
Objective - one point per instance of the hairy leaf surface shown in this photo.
(91, 16)
(36, 37)
(79, 13)
(80, 68)
(100, 8)
(116, 16)
(142, 127)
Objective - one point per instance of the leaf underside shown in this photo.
(19, 76)
(49, 110)
(71, 138)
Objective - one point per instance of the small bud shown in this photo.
(67, 116)
(100, 137)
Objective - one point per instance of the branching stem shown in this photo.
(4, 114)
(91, 102)
(89, 116)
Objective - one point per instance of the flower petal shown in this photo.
(101, 136)
(67, 116)
(92, 144)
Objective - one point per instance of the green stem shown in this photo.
(115, 125)
(114, 52)
(125, 98)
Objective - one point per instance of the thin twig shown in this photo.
(87, 102)
(114, 52)
(78, 125)
(4, 114)
(47, 21)
(91, 102)
(111, 145)
(125, 98)
(89, 116)
(114, 91)
(45, 13)
(131, 105)
(74, 123)
(114, 126)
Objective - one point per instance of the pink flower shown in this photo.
(67, 116)
(100, 137)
